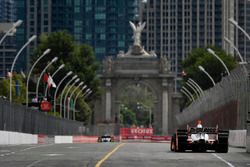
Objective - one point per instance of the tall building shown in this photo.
(36, 16)
(103, 24)
(240, 12)
(7, 11)
(242, 16)
(174, 28)
(8, 47)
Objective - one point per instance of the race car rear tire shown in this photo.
(173, 143)
(222, 146)
(181, 140)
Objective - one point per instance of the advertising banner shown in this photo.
(136, 132)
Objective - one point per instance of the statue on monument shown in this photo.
(165, 65)
(137, 49)
(108, 64)
(137, 32)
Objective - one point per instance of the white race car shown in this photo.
(106, 138)
(200, 139)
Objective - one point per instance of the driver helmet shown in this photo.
(199, 125)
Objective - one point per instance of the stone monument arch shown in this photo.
(137, 66)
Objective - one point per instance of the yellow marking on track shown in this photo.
(108, 155)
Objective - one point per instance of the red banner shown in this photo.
(45, 106)
(136, 131)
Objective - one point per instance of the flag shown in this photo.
(51, 82)
(183, 73)
(45, 77)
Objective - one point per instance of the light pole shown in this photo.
(28, 78)
(88, 91)
(80, 84)
(38, 81)
(193, 88)
(203, 70)
(67, 75)
(59, 68)
(192, 82)
(189, 98)
(236, 49)
(12, 66)
(74, 109)
(61, 98)
(217, 57)
(87, 94)
(12, 29)
(187, 91)
(66, 96)
(231, 20)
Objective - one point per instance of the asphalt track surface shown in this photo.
(116, 155)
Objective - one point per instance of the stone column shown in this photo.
(165, 106)
(108, 100)
(175, 109)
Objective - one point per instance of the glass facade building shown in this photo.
(242, 16)
(103, 24)
(174, 28)
(7, 11)
(36, 16)
(8, 47)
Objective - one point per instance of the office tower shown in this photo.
(174, 28)
(8, 47)
(7, 11)
(103, 24)
(36, 16)
(242, 16)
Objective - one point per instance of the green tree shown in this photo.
(18, 83)
(138, 99)
(84, 111)
(128, 117)
(200, 56)
(78, 58)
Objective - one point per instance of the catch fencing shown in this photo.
(233, 90)
(15, 117)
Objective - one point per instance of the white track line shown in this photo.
(29, 148)
(228, 163)
(36, 147)
(33, 163)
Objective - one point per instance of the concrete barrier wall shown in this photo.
(63, 139)
(237, 138)
(17, 138)
(4, 138)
